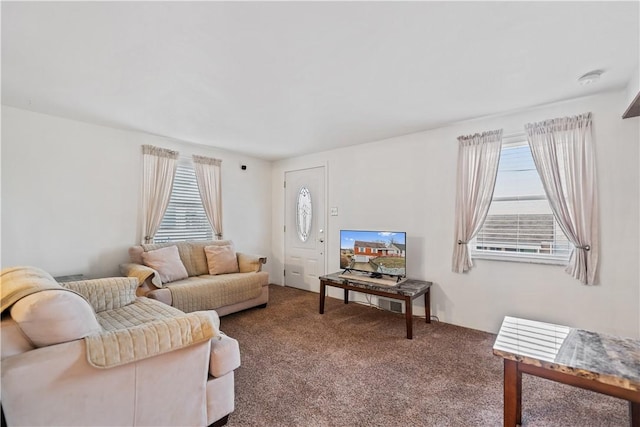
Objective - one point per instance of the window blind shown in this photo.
(520, 224)
(185, 218)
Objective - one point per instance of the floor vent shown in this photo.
(390, 305)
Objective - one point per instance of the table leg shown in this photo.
(427, 305)
(346, 296)
(634, 414)
(408, 308)
(512, 394)
(322, 292)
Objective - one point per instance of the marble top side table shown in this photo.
(597, 362)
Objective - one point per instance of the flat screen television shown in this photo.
(375, 252)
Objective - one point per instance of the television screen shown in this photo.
(375, 252)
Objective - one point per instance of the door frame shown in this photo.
(327, 239)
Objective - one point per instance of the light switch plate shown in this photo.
(334, 211)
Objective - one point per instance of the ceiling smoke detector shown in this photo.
(590, 77)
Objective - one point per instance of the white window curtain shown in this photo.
(159, 168)
(563, 152)
(478, 158)
(208, 177)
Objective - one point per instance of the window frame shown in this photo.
(512, 141)
(208, 234)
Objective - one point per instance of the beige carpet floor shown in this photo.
(353, 366)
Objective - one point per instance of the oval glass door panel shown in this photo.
(303, 214)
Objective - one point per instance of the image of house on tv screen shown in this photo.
(382, 252)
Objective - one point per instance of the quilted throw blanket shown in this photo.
(144, 329)
(19, 282)
(211, 292)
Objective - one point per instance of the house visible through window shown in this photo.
(520, 225)
(185, 218)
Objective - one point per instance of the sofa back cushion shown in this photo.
(54, 316)
(166, 261)
(108, 293)
(135, 254)
(191, 253)
(197, 257)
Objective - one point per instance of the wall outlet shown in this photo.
(334, 211)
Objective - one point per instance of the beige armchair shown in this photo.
(91, 353)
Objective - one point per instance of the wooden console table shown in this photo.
(406, 291)
(597, 362)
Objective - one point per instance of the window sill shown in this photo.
(529, 259)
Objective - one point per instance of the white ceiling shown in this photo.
(280, 79)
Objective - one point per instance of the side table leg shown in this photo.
(512, 394)
(408, 308)
(427, 305)
(346, 296)
(634, 414)
(322, 292)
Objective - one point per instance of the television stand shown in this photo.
(407, 290)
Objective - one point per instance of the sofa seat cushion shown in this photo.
(143, 310)
(144, 329)
(162, 335)
(208, 292)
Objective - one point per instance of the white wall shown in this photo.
(633, 89)
(70, 204)
(71, 194)
(408, 183)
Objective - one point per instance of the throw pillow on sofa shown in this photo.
(166, 261)
(221, 259)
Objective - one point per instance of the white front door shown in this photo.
(304, 228)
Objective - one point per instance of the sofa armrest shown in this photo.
(56, 385)
(12, 339)
(162, 335)
(250, 263)
(225, 355)
(107, 293)
(213, 316)
(142, 273)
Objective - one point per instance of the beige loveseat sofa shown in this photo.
(91, 353)
(226, 293)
